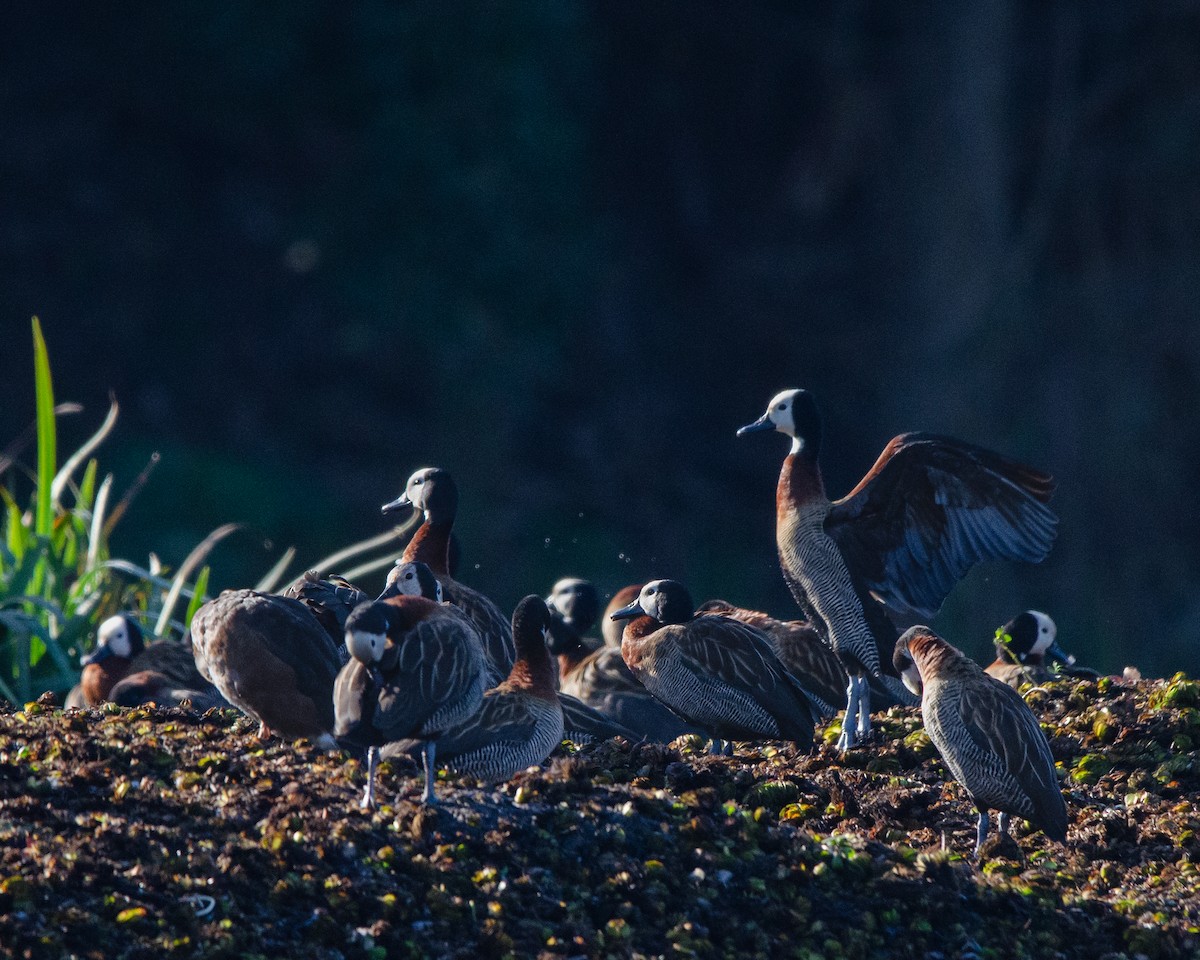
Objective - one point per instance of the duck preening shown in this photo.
(330, 600)
(433, 491)
(928, 510)
(987, 735)
(271, 658)
(417, 668)
(518, 722)
(714, 671)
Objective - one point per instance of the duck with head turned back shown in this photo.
(434, 492)
(716, 672)
(331, 599)
(270, 658)
(417, 669)
(987, 735)
(520, 721)
(928, 510)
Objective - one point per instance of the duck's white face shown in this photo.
(404, 578)
(1046, 632)
(365, 647)
(114, 634)
(563, 593)
(909, 673)
(779, 412)
(651, 599)
(416, 488)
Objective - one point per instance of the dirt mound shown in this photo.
(157, 833)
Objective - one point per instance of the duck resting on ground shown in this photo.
(574, 605)
(987, 735)
(121, 651)
(1027, 652)
(716, 672)
(928, 510)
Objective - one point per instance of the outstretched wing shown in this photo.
(930, 509)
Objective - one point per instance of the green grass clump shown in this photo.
(58, 579)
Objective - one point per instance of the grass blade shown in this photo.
(275, 574)
(46, 434)
(25, 437)
(73, 461)
(18, 537)
(325, 565)
(96, 536)
(194, 559)
(84, 497)
(198, 596)
(134, 489)
(379, 563)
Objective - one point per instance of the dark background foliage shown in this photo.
(564, 249)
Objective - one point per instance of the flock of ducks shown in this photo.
(433, 669)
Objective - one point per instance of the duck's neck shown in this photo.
(800, 483)
(569, 662)
(430, 545)
(934, 657)
(534, 671)
(636, 630)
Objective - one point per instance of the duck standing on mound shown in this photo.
(416, 669)
(520, 721)
(714, 671)
(270, 658)
(986, 734)
(434, 492)
(928, 510)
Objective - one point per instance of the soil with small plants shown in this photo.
(154, 833)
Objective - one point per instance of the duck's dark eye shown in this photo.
(782, 406)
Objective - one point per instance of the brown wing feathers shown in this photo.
(931, 508)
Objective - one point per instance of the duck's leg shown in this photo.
(368, 800)
(1002, 823)
(847, 739)
(864, 708)
(981, 832)
(428, 796)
